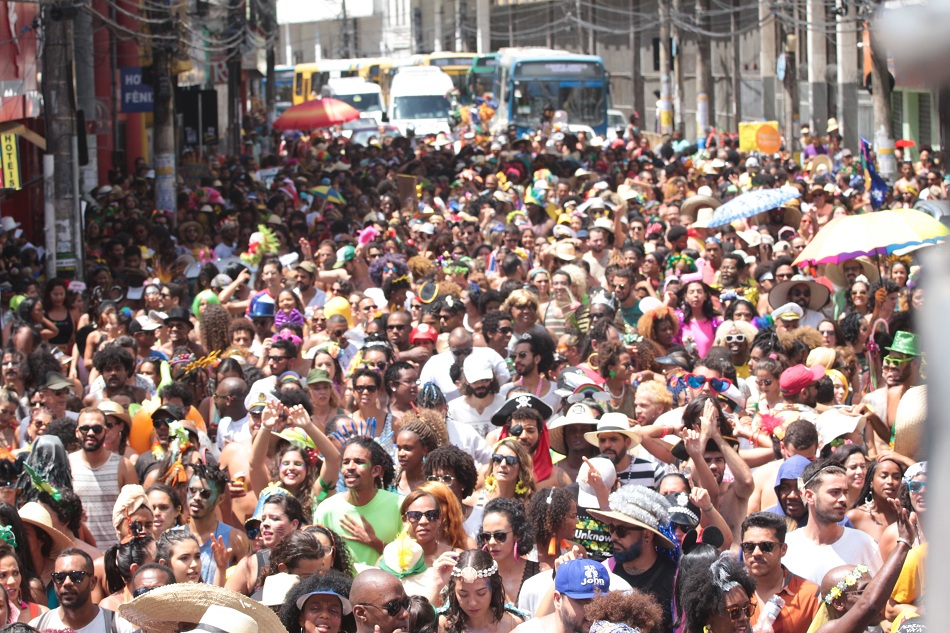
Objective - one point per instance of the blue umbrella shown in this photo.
(752, 203)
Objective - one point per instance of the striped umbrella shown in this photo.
(752, 203)
(877, 233)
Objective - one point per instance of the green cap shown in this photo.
(344, 254)
(318, 375)
(905, 343)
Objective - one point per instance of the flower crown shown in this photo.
(470, 574)
(849, 581)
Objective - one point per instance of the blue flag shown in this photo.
(878, 186)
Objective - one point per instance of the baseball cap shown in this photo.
(423, 332)
(582, 579)
(318, 375)
(147, 324)
(797, 377)
(477, 368)
(344, 254)
(308, 267)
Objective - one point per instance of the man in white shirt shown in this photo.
(436, 369)
(480, 398)
(228, 399)
(822, 544)
(310, 295)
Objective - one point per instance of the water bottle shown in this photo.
(770, 612)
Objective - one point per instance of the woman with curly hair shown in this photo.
(477, 597)
(389, 266)
(737, 336)
(510, 473)
(716, 598)
(855, 332)
(603, 331)
(523, 306)
(319, 603)
(660, 325)
(214, 322)
(336, 554)
(615, 365)
(414, 441)
(637, 610)
(299, 553)
(553, 513)
(507, 536)
(697, 317)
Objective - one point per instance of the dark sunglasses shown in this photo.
(392, 608)
(157, 422)
(95, 428)
(506, 330)
(380, 365)
(766, 546)
(396, 326)
(623, 530)
(369, 388)
(511, 460)
(414, 516)
(141, 591)
(276, 359)
(204, 493)
(717, 384)
(485, 537)
(916, 486)
(77, 576)
(465, 351)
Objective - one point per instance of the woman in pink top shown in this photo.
(697, 317)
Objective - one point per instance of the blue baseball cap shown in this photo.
(582, 579)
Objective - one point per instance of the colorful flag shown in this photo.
(877, 185)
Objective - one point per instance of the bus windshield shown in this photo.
(584, 104)
(366, 102)
(420, 107)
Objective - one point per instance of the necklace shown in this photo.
(623, 391)
(537, 391)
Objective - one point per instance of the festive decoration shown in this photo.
(470, 574)
(261, 242)
(41, 484)
(849, 581)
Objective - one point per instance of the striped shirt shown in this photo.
(98, 489)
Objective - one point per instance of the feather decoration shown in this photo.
(40, 483)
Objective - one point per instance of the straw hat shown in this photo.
(38, 516)
(835, 272)
(693, 204)
(792, 216)
(164, 609)
(638, 506)
(613, 423)
(819, 293)
(579, 413)
(116, 410)
(910, 422)
(563, 250)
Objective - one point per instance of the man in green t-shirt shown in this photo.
(366, 515)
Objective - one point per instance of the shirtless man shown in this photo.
(235, 458)
(801, 438)
(901, 369)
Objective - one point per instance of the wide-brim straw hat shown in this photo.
(820, 294)
(38, 516)
(693, 204)
(910, 422)
(180, 606)
(835, 272)
(792, 216)
(613, 516)
(579, 413)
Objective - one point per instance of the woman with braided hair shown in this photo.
(553, 513)
(414, 441)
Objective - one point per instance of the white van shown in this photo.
(361, 94)
(418, 101)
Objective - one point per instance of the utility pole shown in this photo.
(678, 89)
(63, 235)
(483, 24)
(666, 79)
(704, 93)
(791, 94)
(847, 98)
(346, 33)
(236, 23)
(817, 62)
(164, 111)
(86, 98)
(767, 60)
(736, 62)
(269, 20)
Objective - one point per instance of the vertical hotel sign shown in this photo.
(11, 161)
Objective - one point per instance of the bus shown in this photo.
(456, 66)
(284, 84)
(531, 79)
(482, 75)
(310, 78)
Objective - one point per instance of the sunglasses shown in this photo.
(892, 360)
(95, 428)
(485, 537)
(623, 530)
(511, 460)
(735, 338)
(141, 591)
(276, 359)
(737, 613)
(396, 326)
(766, 546)
(204, 493)
(414, 516)
(765, 383)
(718, 384)
(368, 388)
(462, 352)
(799, 293)
(392, 608)
(157, 422)
(445, 479)
(76, 577)
(380, 365)
(506, 330)
(916, 486)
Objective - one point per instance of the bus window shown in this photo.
(298, 84)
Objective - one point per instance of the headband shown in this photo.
(834, 373)
(470, 574)
(849, 581)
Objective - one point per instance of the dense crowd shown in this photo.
(468, 386)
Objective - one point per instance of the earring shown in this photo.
(613, 374)
(521, 488)
(517, 557)
(490, 483)
(590, 361)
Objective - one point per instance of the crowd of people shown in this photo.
(489, 385)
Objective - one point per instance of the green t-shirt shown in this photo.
(382, 513)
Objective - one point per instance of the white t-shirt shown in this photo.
(53, 624)
(462, 414)
(465, 437)
(811, 561)
(437, 369)
(232, 431)
(550, 398)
